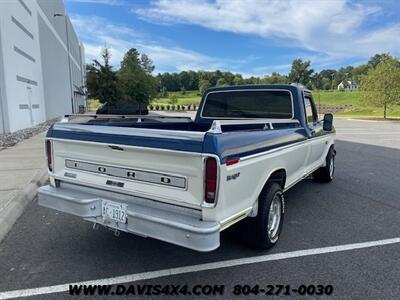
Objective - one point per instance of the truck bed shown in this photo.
(242, 137)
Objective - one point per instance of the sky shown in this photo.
(251, 37)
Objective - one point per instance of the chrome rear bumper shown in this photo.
(145, 217)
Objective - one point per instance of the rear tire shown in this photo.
(267, 225)
(326, 174)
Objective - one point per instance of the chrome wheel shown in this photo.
(274, 217)
(332, 166)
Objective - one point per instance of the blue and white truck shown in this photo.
(183, 181)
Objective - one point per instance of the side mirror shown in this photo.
(328, 122)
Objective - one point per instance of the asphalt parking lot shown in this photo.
(46, 249)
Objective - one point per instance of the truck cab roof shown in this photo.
(291, 86)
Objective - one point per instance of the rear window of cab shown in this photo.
(248, 104)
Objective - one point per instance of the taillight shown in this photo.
(210, 180)
(49, 155)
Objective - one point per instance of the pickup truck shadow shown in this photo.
(361, 204)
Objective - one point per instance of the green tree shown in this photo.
(203, 85)
(275, 78)
(222, 82)
(326, 84)
(378, 58)
(136, 83)
(359, 72)
(101, 80)
(381, 86)
(237, 80)
(324, 77)
(184, 80)
(173, 99)
(343, 74)
(301, 72)
(146, 64)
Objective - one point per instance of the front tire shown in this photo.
(326, 174)
(267, 226)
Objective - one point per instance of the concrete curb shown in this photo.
(18, 201)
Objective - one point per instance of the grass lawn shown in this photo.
(359, 109)
(190, 97)
(337, 98)
(355, 99)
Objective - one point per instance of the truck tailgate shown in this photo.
(169, 176)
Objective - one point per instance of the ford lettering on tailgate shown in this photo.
(131, 174)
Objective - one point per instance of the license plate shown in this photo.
(113, 210)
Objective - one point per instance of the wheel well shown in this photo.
(278, 176)
(332, 147)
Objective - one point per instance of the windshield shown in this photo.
(248, 104)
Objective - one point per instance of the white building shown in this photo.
(41, 63)
(347, 85)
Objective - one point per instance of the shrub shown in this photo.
(172, 107)
(168, 107)
(157, 107)
(151, 107)
(173, 99)
(194, 106)
(162, 107)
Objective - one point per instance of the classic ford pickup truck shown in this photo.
(184, 181)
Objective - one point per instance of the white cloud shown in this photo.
(333, 28)
(96, 32)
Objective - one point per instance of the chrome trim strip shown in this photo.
(235, 218)
(216, 126)
(128, 173)
(125, 117)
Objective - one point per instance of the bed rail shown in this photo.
(139, 118)
(216, 126)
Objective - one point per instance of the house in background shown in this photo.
(42, 70)
(347, 85)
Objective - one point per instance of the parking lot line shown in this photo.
(196, 268)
